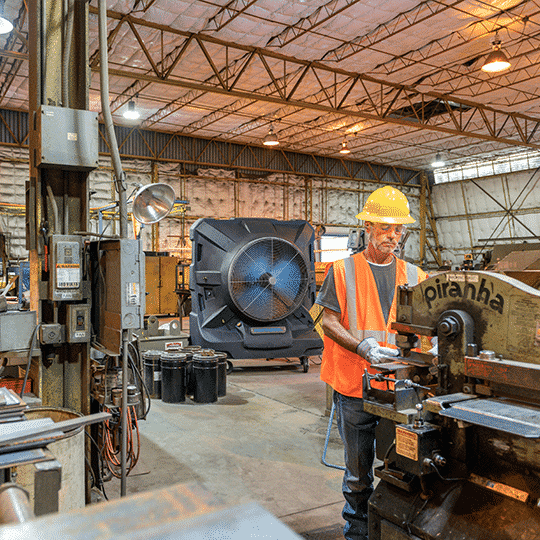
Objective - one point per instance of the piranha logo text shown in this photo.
(470, 290)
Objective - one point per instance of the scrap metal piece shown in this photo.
(21, 435)
(503, 371)
(498, 487)
(498, 414)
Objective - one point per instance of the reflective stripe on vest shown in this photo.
(350, 285)
(352, 312)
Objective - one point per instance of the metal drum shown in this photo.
(152, 373)
(173, 377)
(205, 377)
(189, 351)
(222, 373)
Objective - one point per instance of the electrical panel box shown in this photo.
(68, 138)
(65, 265)
(78, 323)
(118, 289)
(51, 334)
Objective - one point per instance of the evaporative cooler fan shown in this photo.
(252, 283)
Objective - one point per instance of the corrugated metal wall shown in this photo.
(474, 215)
(211, 193)
(219, 179)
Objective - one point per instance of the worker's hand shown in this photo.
(435, 346)
(370, 349)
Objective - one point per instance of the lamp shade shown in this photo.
(438, 161)
(131, 113)
(344, 148)
(153, 202)
(5, 24)
(496, 60)
(271, 138)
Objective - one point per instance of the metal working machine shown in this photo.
(459, 433)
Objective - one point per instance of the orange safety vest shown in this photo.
(362, 316)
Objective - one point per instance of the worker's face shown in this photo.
(383, 237)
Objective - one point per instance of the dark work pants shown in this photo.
(357, 431)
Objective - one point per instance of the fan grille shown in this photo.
(268, 279)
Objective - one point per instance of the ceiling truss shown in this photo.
(353, 96)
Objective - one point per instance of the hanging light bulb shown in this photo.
(439, 161)
(344, 147)
(496, 60)
(271, 138)
(131, 113)
(5, 25)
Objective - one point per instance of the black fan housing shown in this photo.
(252, 283)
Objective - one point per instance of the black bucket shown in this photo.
(189, 351)
(173, 377)
(152, 373)
(205, 377)
(222, 373)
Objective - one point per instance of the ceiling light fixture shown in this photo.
(271, 138)
(131, 113)
(496, 60)
(439, 161)
(344, 148)
(5, 25)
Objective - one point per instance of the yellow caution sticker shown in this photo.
(406, 443)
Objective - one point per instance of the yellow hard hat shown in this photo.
(387, 205)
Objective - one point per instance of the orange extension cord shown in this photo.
(112, 456)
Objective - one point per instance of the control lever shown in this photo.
(407, 383)
(418, 421)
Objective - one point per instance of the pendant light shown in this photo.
(344, 147)
(496, 60)
(131, 113)
(271, 138)
(438, 162)
(5, 25)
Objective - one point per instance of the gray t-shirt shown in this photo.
(385, 279)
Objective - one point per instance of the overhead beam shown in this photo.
(349, 94)
(526, 127)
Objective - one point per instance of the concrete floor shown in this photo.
(262, 443)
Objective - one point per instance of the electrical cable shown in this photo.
(100, 483)
(133, 449)
(434, 467)
(390, 448)
(144, 388)
(89, 467)
(410, 518)
(138, 436)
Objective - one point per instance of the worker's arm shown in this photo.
(368, 348)
(332, 328)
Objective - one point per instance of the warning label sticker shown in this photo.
(68, 276)
(132, 294)
(463, 277)
(406, 443)
(173, 345)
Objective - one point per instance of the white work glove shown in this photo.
(370, 349)
(435, 349)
